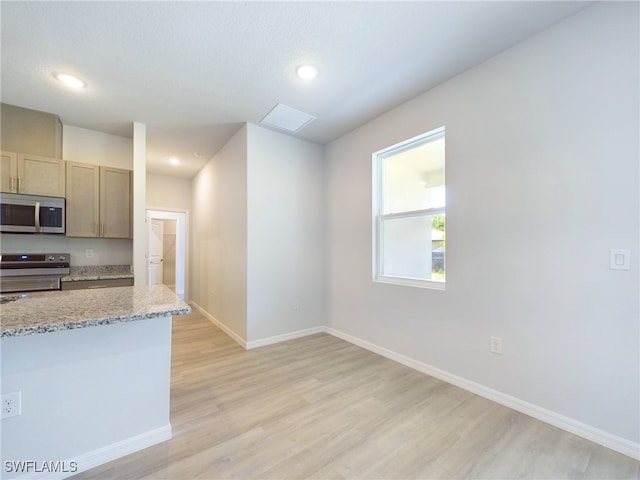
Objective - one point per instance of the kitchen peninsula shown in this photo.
(93, 371)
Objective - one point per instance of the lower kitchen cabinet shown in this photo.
(84, 284)
(98, 201)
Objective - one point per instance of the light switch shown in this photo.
(620, 259)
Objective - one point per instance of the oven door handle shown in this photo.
(37, 216)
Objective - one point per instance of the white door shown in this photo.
(154, 253)
(181, 245)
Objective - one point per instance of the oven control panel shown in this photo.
(27, 259)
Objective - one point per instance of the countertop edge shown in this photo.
(59, 327)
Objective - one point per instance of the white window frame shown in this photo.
(379, 217)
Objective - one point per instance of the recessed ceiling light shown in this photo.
(174, 161)
(70, 80)
(307, 72)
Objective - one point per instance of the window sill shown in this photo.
(412, 282)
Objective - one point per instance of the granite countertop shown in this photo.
(98, 272)
(42, 312)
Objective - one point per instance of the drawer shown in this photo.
(83, 284)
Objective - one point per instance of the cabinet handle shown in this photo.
(37, 216)
(95, 230)
(13, 183)
(102, 229)
(19, 182)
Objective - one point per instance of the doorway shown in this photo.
(167, 232)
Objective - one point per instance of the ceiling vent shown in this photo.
(286, 118)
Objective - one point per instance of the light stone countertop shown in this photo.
(42, 312)
(98, 272)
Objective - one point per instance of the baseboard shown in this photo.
(284, 337)
(620, 445)
(595, 435)
(260, 342)
(241, 341)
(102, 455)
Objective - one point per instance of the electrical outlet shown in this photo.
(11, 404)
(88, 253)
(295, 305)
(496, 345)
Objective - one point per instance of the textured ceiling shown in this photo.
(194, 72)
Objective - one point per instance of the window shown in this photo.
(409, 212)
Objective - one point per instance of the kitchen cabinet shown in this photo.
(106, 283)
(98, 201)
(115, 202)
(32, 174)
(30, 131)
(8, 171)
(83, 200)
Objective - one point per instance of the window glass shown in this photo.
(409, 206)
(413, 179)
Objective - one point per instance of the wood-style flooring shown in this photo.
(321, 408)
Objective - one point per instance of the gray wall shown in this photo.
(542, 180)
(219, 235)
(258, 243)
(286, 234)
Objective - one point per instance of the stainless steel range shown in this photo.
(28, 272)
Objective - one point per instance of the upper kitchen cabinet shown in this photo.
(30, 131)
(98, 201)
(36, 167)
(32, 174)
(8, 171)
(115, 202)
(83, 197)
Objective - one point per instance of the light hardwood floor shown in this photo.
(321, 408)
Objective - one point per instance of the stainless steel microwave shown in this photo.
(31, 214)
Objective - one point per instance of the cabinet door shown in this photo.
(25, 130)
(115, 202)
(41, 175)
(8, 172)
(83, 183)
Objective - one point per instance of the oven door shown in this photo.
(29, 283)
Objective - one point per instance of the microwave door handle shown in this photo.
(37, 216)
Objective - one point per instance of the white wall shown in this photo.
(219, 236)
(73, 385)
(285, 234)
(90, 146)
(168, 193)
(542, 180)
(86, 146)
(105, 251)
(139, 207)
